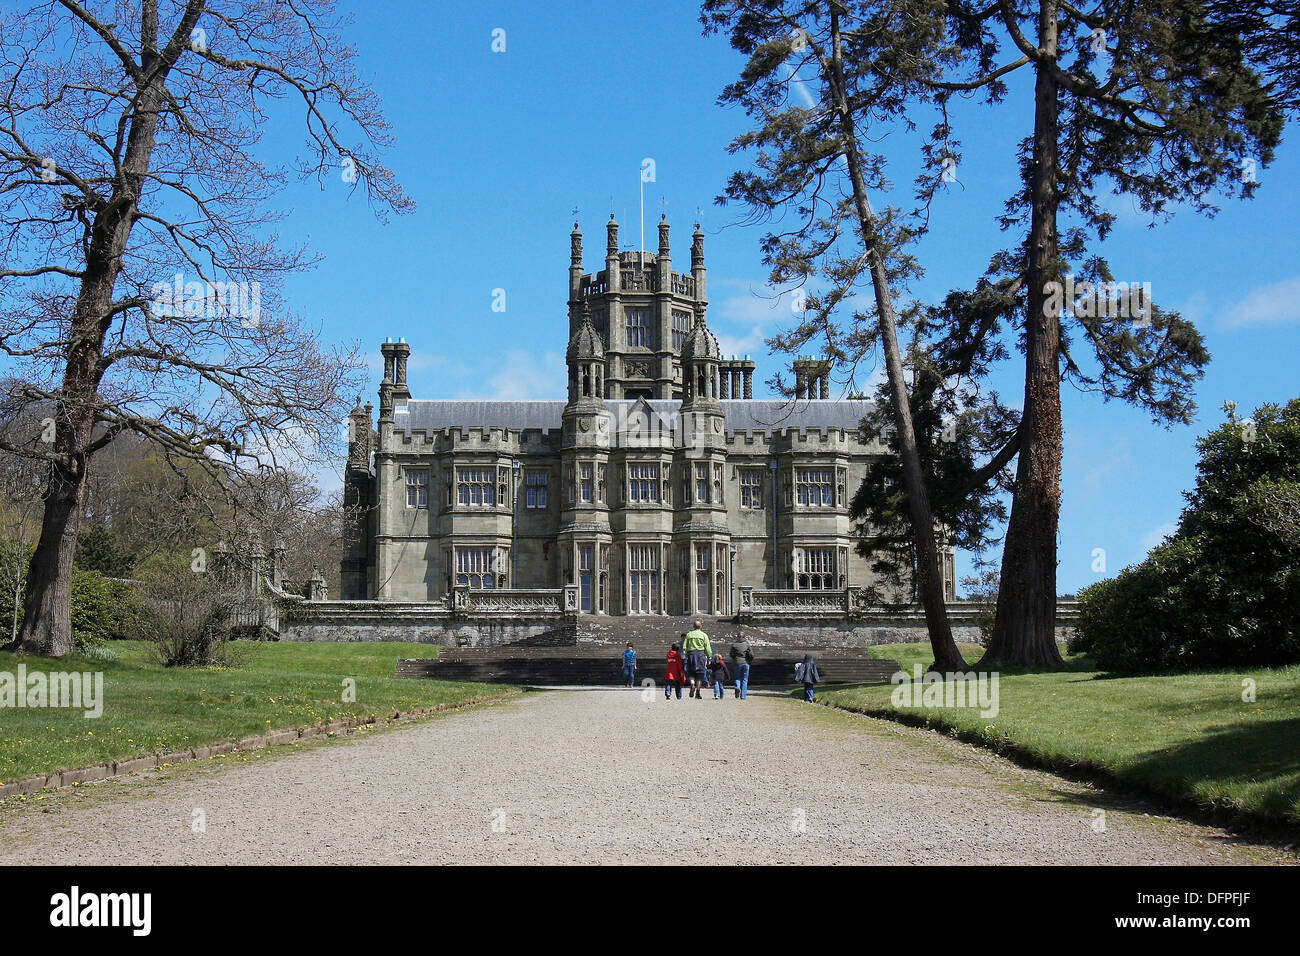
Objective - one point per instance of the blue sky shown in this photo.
(498, 148)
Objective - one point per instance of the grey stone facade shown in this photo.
(658, 486)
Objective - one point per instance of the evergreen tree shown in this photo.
(856, 64)
(1138, 97)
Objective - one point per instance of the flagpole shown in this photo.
(641, 179)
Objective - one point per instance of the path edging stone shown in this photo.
(62, 779)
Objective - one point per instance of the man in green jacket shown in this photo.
(698, 653)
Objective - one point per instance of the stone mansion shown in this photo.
(658, 486)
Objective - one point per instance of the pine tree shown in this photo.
(814, 162)
(1141, 97)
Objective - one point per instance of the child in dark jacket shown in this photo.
(807, 673)
(718, 674)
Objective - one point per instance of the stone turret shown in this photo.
(640, 308)
(700, 360)
(697, 268)
(575, 272)
(317, 590)
(278, 553)
(586, 360)
(360, 438)
(584, 460)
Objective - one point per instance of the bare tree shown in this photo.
(140, 273)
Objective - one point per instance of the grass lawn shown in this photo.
(153, 709)
(1188, 737)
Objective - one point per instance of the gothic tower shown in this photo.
(641, 309)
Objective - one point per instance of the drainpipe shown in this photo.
(775, 560)
(514, 522)
(731, 578)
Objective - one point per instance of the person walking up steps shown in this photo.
(741, 657)
(673, 675)
(698, 652)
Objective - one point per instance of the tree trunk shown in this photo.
(47, 626)
(47, 608)
(1024, 627)
(929, 579)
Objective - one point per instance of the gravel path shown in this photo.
(605, 776)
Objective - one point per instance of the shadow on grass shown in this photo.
(1263, 756)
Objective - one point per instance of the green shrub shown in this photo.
(99, 549)
(102, 609)
(1224, 591)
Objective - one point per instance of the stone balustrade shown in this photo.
(465, 619)
(854, 603)
(558, 601)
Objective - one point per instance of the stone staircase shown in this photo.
(590, 653)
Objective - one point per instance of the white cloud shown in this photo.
(519, 375)
(1105, 465)
(1156, 535)
(1196, 308)
(747, 343)
(1270, 304)
(743, 321)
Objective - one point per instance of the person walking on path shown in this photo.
(808, 675)
(673, 676)
(719, 673)
(698, 652)
(741, 657)
(629, 667)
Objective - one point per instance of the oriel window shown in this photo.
(815, 487)
(643, 482)
(476, 486)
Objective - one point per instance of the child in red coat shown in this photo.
(674, 676)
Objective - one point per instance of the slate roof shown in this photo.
(745, 416)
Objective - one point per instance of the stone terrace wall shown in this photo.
(484, 619)
(417, 623)
(547, 618)
(854, 626)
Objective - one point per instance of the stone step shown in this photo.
(647, 653)
(551, 670)
(655, 630)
